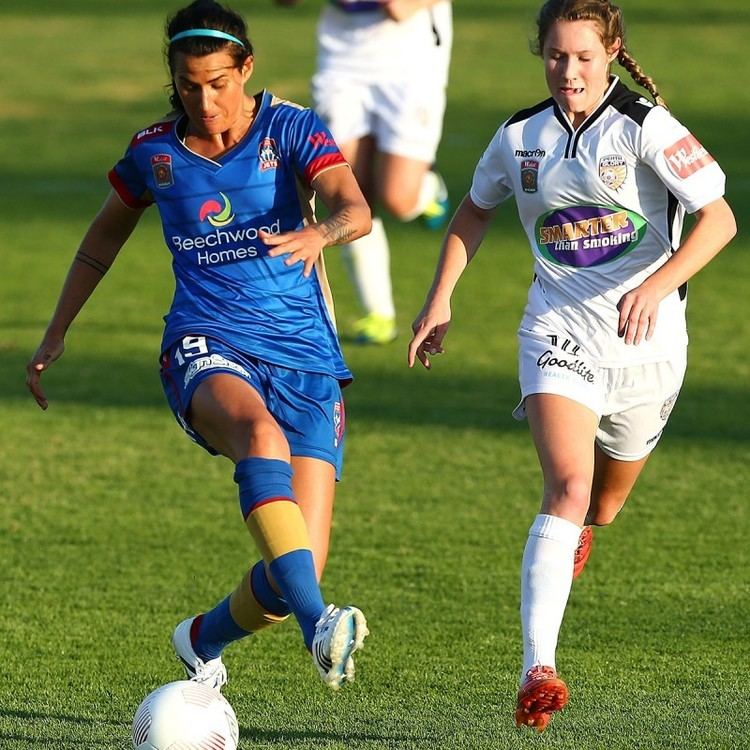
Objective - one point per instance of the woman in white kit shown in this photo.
(602, 179)
(380, 85)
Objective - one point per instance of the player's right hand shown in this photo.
(49, 350)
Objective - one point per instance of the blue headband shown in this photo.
(207, 32)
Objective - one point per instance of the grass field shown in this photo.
(113, 526)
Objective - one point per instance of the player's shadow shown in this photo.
(252, 735)
(55, 734)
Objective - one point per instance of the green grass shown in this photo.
(113, 526)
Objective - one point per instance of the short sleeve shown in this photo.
(128, 183)
(685, 167)
(491, 184)
(313, 148)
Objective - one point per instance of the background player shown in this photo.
(602, 179)
(380, 84)
(251, 364)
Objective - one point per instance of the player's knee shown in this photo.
(569, 496)
(265, 438)
(400, 204)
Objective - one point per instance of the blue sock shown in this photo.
(264, 593)
(266, 499)
(215, 630)
(300, 588)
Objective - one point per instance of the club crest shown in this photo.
(612, 171)
(161, 166)
(667, 407)
(268, 154)
(529, 175)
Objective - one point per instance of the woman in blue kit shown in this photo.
(250, 364)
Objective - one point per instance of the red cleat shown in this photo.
(583, 550)
(541, 694)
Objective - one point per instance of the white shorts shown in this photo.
(384, 79)
(633, 403)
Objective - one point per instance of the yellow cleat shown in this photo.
(375, 329)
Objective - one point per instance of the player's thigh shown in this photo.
(232, 417)
(216, 394)
(314, 484)
(400, 180)
(563, 431)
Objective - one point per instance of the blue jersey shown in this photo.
(226, 286)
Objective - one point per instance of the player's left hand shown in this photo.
(302, 246)
(638, 312)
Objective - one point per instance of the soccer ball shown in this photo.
(185, 715)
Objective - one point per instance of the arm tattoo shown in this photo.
(82, 257)
(336, 229)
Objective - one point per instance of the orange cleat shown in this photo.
(583, 550)
(541, 694)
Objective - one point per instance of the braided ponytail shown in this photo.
(608, 18)
(628, 62)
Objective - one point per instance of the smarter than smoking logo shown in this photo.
(584, 236)
(218, 215)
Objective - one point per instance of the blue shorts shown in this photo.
(308, 406)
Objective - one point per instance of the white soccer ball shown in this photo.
(185, 715)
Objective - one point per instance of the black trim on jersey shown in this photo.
(435, 32)
(630, 103)
(621, 98)
(672, 206)
(525, 114)
(572, 148)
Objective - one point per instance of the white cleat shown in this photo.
(338, 634)
(212, 673)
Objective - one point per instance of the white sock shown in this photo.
(368, 262)
(428, 192)
(546, 577)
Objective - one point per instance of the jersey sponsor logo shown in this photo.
(613, 170)
(321, 140)
(161, 166)
(223, 246)
(523, 153)
(268, 154)
(687, 156)
(218, 215)
(529, 175)
(568, 364)
(584, 236)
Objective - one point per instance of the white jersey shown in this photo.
(603, 207)
(358, 39)
(382, 78)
